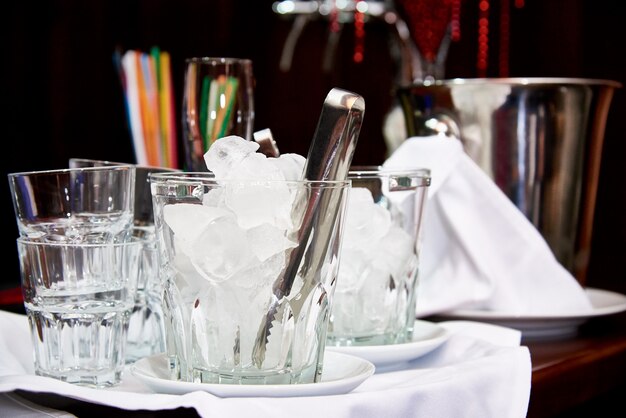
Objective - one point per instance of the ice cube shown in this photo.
(366, 222)
(352, 270)
(227, 152)
(397, 251)
(258, 203)
(255, 166)
(267, 240)
(209, 238)
(291, 165)
(221, 249)
(187, 221)
(254, 202)
(214, 197)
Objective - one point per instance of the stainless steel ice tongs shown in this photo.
(329, 158)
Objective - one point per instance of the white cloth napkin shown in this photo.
(479, 251)
(478, 361)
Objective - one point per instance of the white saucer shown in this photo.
(426, 337)
(342, 374)
(547, 326)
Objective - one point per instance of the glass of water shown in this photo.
(78, 299)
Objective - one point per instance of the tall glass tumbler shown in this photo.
(218, 101)
(224, 253)
(375, 296)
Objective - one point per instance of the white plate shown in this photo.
(426, 337)
(342, 374)
(538, 326)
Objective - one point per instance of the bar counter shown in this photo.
(581, 376)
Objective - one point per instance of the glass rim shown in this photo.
(131, 241)
(362, 171)
(519, 81)
(107, 163)
(186, 177)
(218, 60)
(69, 170)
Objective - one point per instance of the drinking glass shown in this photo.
(78, 298)
(146, 332)
(143, 214)
(218, 101)
(375, 297)
(145, 329)
(83, 205)
(223, 253)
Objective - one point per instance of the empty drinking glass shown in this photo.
(82, 205)
(78, 298)
(145, 329)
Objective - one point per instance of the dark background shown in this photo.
(62, 98)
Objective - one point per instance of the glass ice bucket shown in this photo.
(375, 298)
(247, 296)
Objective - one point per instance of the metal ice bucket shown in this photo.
(539, 139)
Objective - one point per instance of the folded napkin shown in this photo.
(477, 361)
(479, 251)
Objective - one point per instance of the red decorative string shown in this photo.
(483, 38)
(505, 16)
(334, 18)
(455, 21)
(359, 36)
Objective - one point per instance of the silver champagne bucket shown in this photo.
(539, 139)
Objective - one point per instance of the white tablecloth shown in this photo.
(480, 371)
